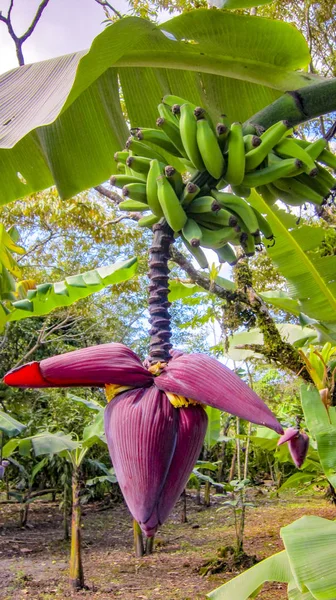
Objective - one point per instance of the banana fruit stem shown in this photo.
(160, 332)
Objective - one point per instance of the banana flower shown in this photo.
(155, 420)
(298, 444)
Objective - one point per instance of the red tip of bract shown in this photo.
(206, 380)
(93, 366)
(27, 376)
(298, 447)
(289, 434)
(153, 447)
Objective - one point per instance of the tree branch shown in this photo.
(275, 349)
(106, 6)
(34, 21)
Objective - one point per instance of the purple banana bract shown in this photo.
(155, 430)
(298, 444)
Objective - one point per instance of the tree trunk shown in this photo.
(207, 493)
(138, 540)
(183, 513)
(233, 465)
(65, 512)
(76, 567)
(198, 496)
(149, 545)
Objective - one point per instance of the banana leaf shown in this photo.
(62, 119)
(48, 296)
(310, 277)
(42, 443)
(10, 426)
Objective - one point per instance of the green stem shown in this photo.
(298, 106)
(138, 540)
(76, 567)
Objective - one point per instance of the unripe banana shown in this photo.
(315, 148)
(288, 148)
(326, 177)
(248, 244)
(148, 221)
(166, 113)
(173, 133)
(188, 131)
(222, 218)
(154, 172)
(295, 187)
(135, 191)
(226, 254)
(240, 207)
(241, 190)
(133, 206)
(263, 224)
(268, 194)
(286, 168)
(286, 197)
(272, 136)
(235, 155)
(174, 178)
(140, 149)
(120, 180)
(315, 183)
(191, 190)
(121, 168)
(328, 158)
(201, 113)
(251, 141)
(222, 132)
(203, 204)
(170, 100)
(140, 164)
(158, 138)
(210, 151)
(197, 253)
(121, 156)
(170, 204)
(192, 232)
(216, 239)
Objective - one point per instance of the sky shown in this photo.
(65, 26)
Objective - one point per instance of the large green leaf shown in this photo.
(42, 443)
(274, 568)
(62, 120)
(234, 4)
(10, 426)
(48, 296)
(310, 277)
(214, 426)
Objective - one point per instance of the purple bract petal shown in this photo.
(289, 434)
(2, 471)
(141, 431)
(206, 380)
(298, 447)
(93, 366)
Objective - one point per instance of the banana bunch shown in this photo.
(207, 159)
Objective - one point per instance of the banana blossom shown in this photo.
(298, 444)
(155, 420)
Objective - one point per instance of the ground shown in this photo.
(33, 561)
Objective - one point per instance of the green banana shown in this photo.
(287, 198)
(203, 204)
(170, 204)
(120, 180)
(209, 148)
(158, 138)
(166, 113)
(251, 141)
(263, 224)
(222, 132)
(267, 194)
(235, 170)
(148, 221)
(135, 191)
(288, 148)
(315, 148)
(239, 207)
(216, 238)
(197, 253)
(295, 187)
(328, 158)
(188, 131)
(170, 100)
(316, 183)
(192, 232)
(133, 206)
(141, 149)
(248, 244)
(121, 168)
(221, 217)
(191, 190)
(285, 168)
(139, 164)
(121, 156)
(327, 177)
(269, 138)
(241, 190)
(226, 254)
(201, 113)
(173, 133)
(175, 178)
(151, 188)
